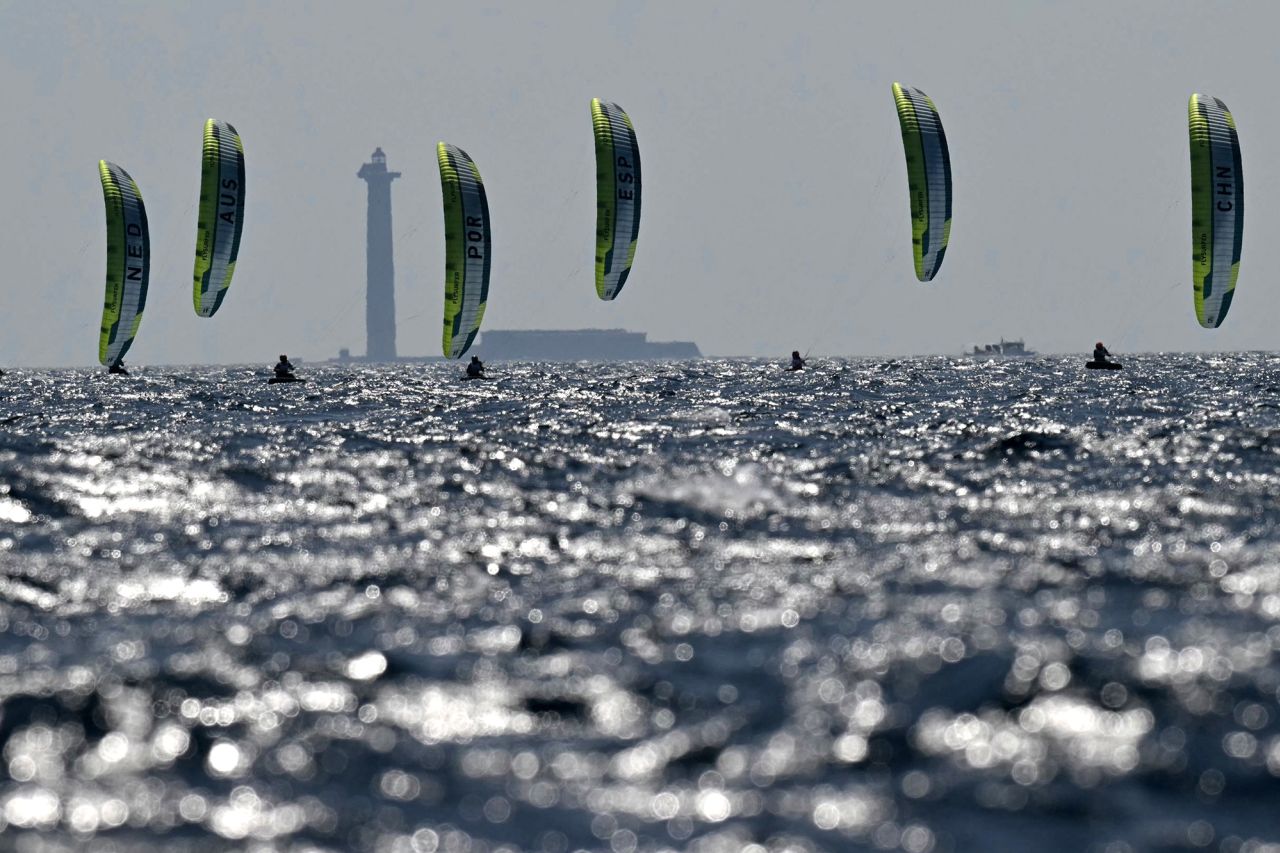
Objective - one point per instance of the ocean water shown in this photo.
(919, 605)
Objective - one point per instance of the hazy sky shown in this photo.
(775, 203)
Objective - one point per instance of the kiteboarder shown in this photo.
(475, 370)
(284, 370)
(1100, 353)
(797, 363)
(118, 367)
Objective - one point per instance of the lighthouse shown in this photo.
(380, 298)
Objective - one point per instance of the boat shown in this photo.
(1004, 349)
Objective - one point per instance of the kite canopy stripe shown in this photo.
(221, 215)
(1217, 207)
(128, 262)
(928, 178)
(617, 196)
(467, 244)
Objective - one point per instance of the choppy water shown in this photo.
(925, 605)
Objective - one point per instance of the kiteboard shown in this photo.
(1103, 365)
(279, 380)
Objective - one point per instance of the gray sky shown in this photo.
(775, 204)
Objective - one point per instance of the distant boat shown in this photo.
(1004, 349)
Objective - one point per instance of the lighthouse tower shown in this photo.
(380, 299)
